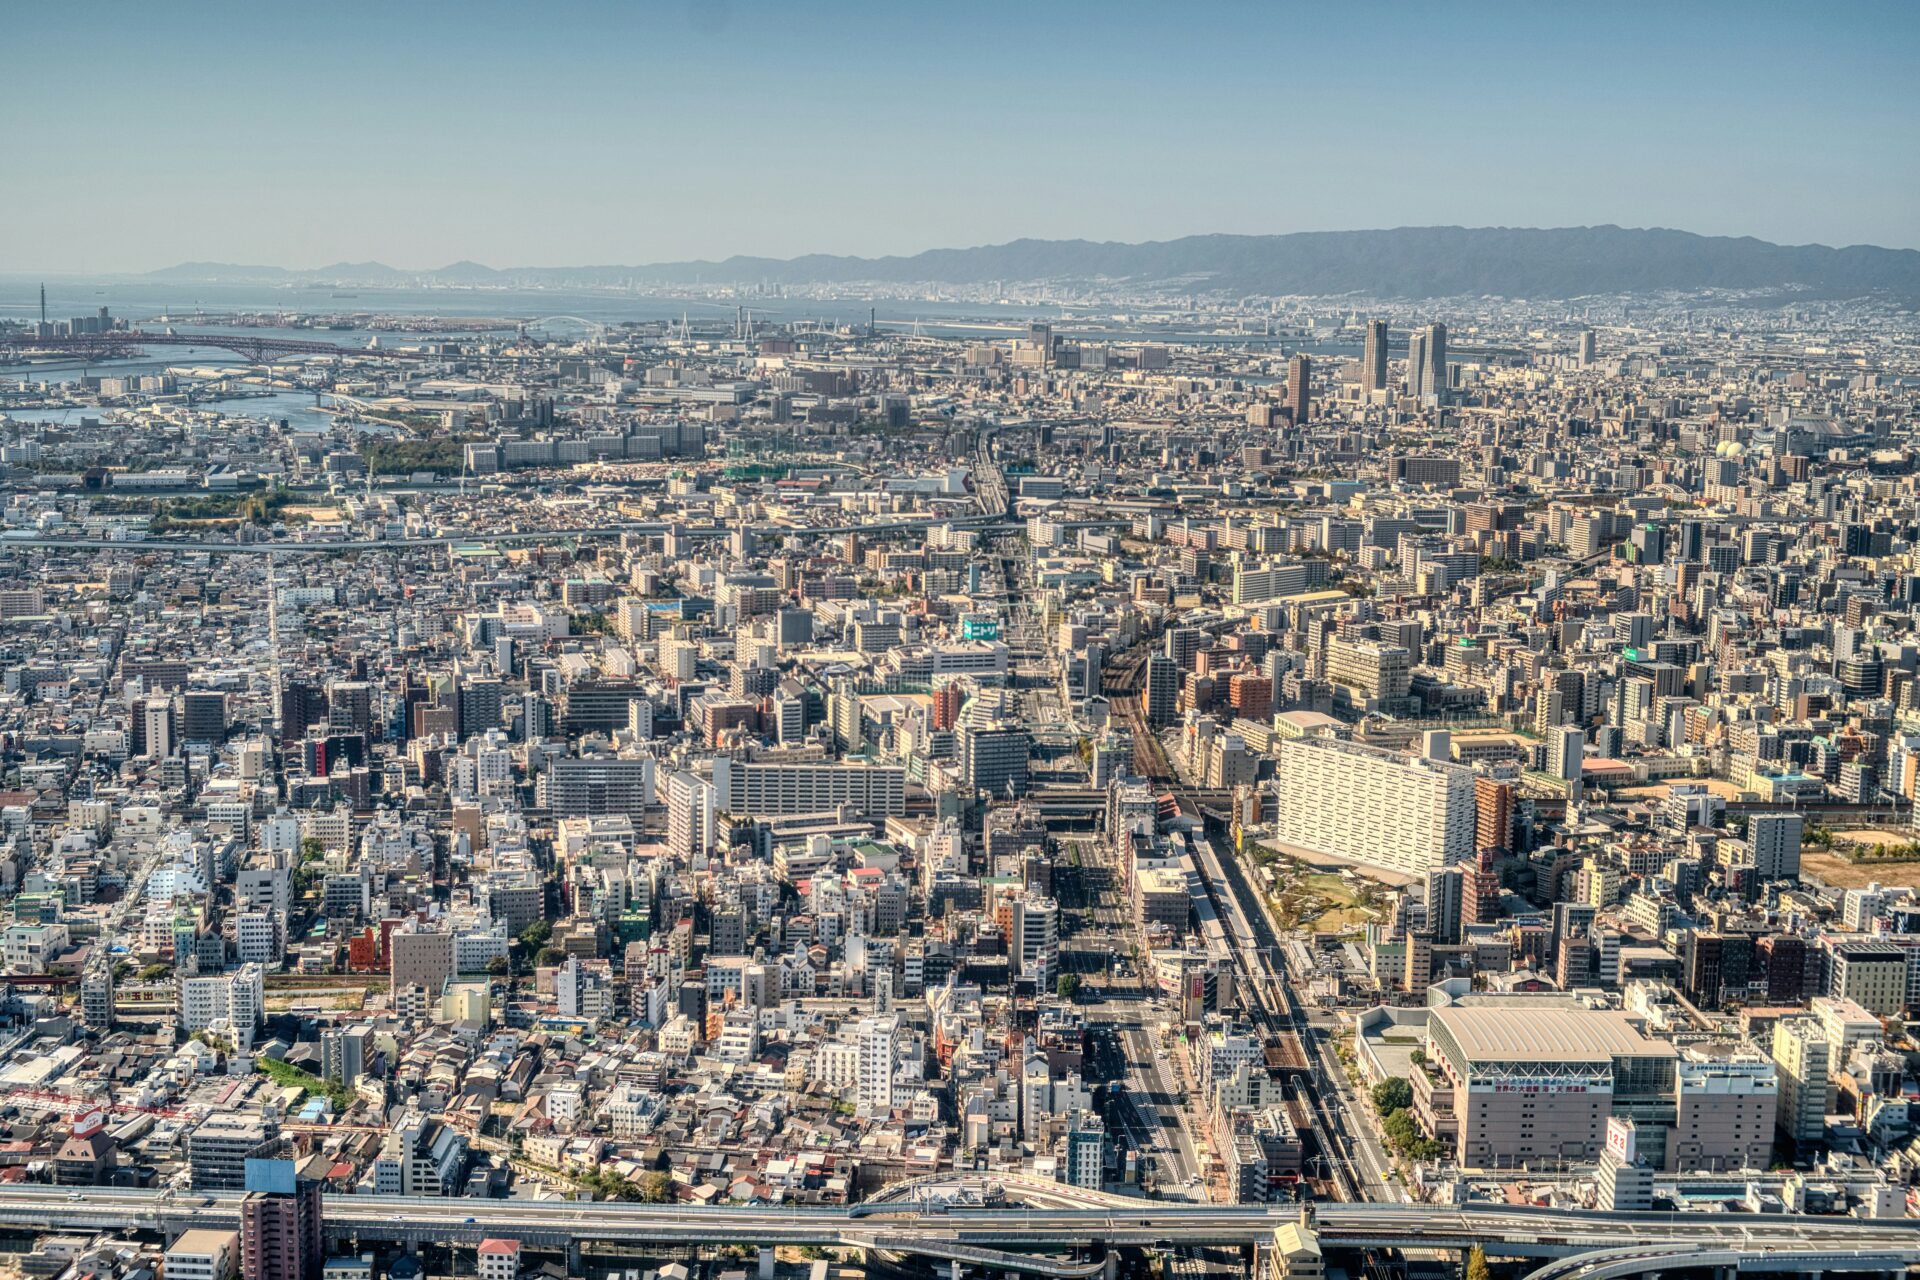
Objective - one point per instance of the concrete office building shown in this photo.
(1804, 1058)
(420, 958)
(232, 1003)
(1725, 1109)
(1084, 1148)
(350, 706)
(220, 1146)
(873, 1040)
(203, 715)
(1774, 839)
(1375, 673)
(1300, 389)
(1160, 696)
(593, 786)
(345, 1053)
(1566, 752)
(1374, 807)
(203, 1253)
(1255, 583)
(1034, 940)
(691, 810)
(1845, 1024)
(1416, 362)
(993, 756)
(1161, 897)
(1427, 363)
(24, 603)
(156, 719)
(1623, 1187)
(421, 1156)
(1871, 974)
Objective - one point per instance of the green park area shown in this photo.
(1321, 900)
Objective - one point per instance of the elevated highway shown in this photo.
(1636, 1261)
(1503, 1230)
(1023, 1188)
(983, 1256)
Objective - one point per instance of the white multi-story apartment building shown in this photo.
(30, 946)
(232, 1001)
(256, 937)
(497, 1260)
(774, 789)
(690, 813)
(836, 1065)
(630, 1110)
(1378, 808)
(874, 1038)
(1804, 1058)
(1253, 584)
(1377, 672)
(1035, 941)
(203, 1254)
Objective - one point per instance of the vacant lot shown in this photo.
(1878, 839)
(314, 1002)
(1835, 870)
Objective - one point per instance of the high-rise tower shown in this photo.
(1373, 364)
(1427, 362)
(1299, 390)
(1433, 381)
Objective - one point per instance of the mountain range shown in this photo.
(1404, 262)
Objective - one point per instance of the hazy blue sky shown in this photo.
(136, 135)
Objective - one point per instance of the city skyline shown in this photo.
(666, 133)
(665, 641)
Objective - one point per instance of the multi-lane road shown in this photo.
(1125, 1009)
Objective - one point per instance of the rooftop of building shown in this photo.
(1514, 1033)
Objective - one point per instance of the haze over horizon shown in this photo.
(426, 269)
(606, 134)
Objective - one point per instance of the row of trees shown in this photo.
(531, 947)
(649, 1188)
(1393, 1099)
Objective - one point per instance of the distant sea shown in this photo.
(141, 299)
(141, 302)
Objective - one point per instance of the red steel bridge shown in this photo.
(121, 342)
